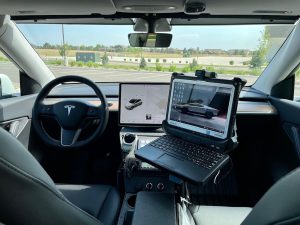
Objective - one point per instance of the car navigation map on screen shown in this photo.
(143, 103)
(201, 107)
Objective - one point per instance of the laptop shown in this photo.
(197, 111)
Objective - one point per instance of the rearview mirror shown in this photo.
(150, 40)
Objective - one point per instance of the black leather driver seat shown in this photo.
(29, 196)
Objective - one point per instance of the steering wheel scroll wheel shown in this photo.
(71, 115)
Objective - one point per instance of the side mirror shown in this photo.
(150, 40)
(6, 86)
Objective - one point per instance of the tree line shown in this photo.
(186, 52)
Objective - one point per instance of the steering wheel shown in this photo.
(71, 115)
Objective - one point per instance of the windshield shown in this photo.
(102, 52)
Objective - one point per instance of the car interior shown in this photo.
(125, 112)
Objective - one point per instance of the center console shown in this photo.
(148, 208)
(138, 175)
(161, 209)
(145, 186)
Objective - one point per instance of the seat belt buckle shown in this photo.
(184, 200)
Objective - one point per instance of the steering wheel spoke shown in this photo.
(94, 112)
(69, 137)
(45, 110)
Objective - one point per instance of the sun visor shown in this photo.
(57, 7)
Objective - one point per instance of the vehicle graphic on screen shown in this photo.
(196, 108)
(133, 103)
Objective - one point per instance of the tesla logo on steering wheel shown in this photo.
(69, 107)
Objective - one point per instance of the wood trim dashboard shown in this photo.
(244, 107)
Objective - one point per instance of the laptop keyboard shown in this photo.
(197, 154)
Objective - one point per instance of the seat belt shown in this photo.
(184, 215)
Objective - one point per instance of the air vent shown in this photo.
(27, 12)
(271, 12)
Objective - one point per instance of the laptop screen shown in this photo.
(202, 107)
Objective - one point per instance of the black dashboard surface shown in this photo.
(81, 90)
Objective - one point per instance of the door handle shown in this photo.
(16, 126)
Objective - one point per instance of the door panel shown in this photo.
(289, 111)
(15, 116)
(289, 115)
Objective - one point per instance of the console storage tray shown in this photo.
(154, 208)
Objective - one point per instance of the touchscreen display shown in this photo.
(143, 104)
(201, 106)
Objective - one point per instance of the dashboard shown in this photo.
(251, 101)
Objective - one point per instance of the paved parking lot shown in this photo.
(102, 75)
(110, 75)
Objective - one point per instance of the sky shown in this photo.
(204, 37)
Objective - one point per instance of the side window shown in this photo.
(9, 78)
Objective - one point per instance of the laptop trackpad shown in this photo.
(169, 161)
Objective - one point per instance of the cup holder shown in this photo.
(131, 201)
